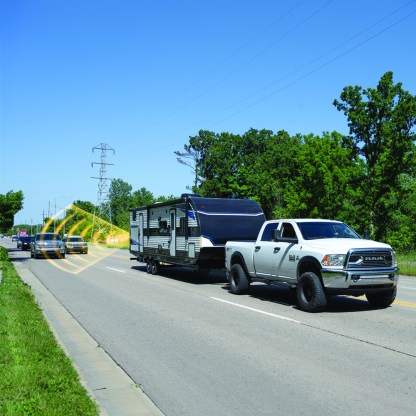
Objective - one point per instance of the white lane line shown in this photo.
(258, 310)
(406, 287)
(116, 270)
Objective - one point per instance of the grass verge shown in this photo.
(36, 376)
(407, 263)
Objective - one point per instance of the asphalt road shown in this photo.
(196, 349)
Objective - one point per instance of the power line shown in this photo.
(102, 208)
(304, 66)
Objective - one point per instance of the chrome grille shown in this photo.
(359, 259)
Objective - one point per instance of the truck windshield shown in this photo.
(319, 229)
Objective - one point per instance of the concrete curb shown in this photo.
(115, 392)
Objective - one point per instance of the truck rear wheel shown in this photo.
(310, 293)
(239, 284)
(382, 299)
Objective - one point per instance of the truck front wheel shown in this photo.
(238, 280)
(310, 293)
(382, 299)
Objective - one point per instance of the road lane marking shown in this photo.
(406, 304)
(116, 270)
(396, 302)
(258, 310)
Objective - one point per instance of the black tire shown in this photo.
(382, 299)
(31, 254)
(155, 267)
(149, 266)
(35, 256)
(310, 293)
(239, 283)
(62, 256)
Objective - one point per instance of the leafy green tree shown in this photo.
(219, 156)
(269, 164)
(381, 130)
(325, 179)
(120, 198)
(87, 206)
(141, 197)
(254, 165)
(10, 204)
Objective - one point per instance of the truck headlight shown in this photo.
(333, 260)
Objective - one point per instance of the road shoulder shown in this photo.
(115, 392)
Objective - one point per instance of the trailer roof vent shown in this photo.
(183, 196)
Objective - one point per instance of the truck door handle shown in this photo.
(276, 249)
(257, 248)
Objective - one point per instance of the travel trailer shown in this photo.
(191, 231)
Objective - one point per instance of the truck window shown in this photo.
(288, 231)
(268, 231)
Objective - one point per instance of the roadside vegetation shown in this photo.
(36, 376)
(407, 263)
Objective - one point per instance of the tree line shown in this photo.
(365, 178)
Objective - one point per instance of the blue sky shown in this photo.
(143, 76)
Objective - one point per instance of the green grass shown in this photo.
(36, 376)
(121, 246)
(407, 263)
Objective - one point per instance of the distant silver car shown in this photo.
(46, 244)
(75, 244)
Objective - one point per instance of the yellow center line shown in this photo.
(396, 302)
(406, 304)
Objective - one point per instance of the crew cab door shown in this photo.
(264, 253)
(286, 253)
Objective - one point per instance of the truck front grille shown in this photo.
(373, 258)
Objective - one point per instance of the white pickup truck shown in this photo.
(319, 258)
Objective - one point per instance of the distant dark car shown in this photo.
(14, 238)
(75, 244)
(24, 242)
(46, 244)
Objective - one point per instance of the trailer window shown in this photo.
(194, 231)
(163, 227)
(182, 226)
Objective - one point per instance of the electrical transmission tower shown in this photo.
(102, 209)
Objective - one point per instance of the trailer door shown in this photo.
(141, 233)
(172, 241)
(134, 237)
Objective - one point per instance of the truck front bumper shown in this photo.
(359, 281)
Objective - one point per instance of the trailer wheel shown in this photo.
(239, 284)
(382, 299)
(155, 267)
(310, 293)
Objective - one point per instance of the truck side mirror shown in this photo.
(276, 234)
